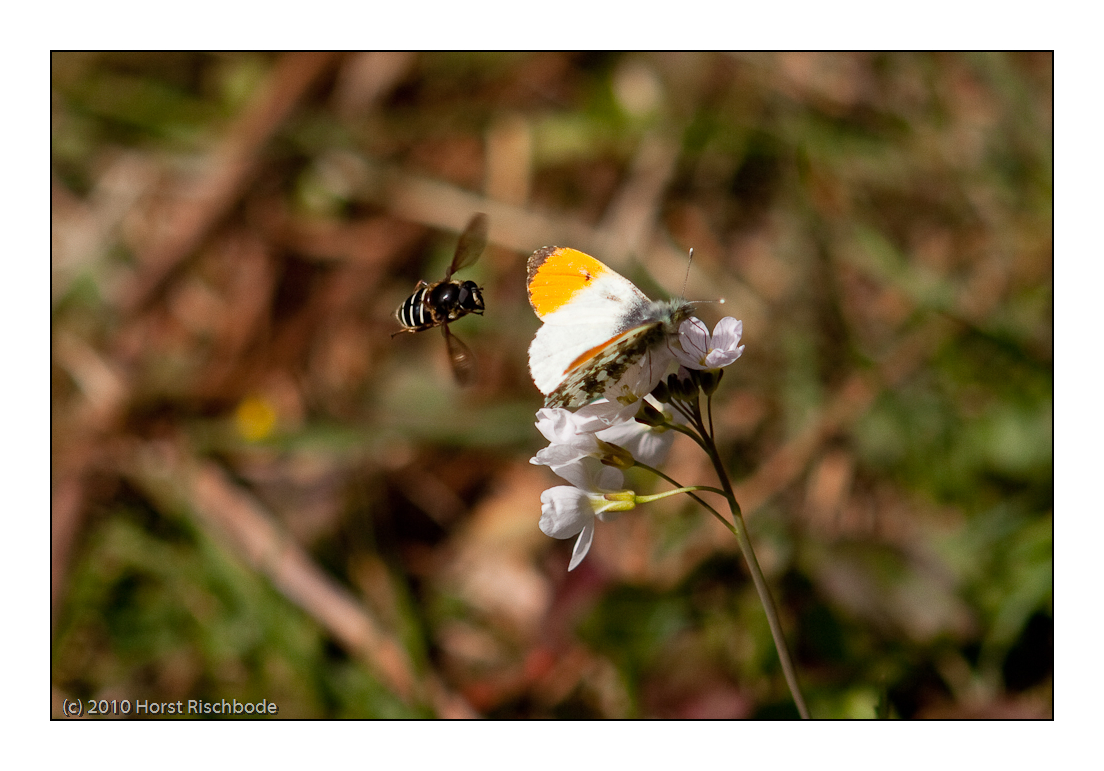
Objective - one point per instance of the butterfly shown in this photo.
(442, 302)
(601, 335)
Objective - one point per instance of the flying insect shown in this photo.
(442, 302)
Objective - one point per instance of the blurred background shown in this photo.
(258, 493)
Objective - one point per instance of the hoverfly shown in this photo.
(442, 302)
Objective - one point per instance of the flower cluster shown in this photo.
(590, 447)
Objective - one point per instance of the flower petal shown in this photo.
(601, 414)
(646, 444)
(695, 333)
(590, 475)
(702, 351)
(559, 455)
(726, 335)
(608, 479)
(582, 546)
(694, 342)
(556, 424)
(565, 511)
(577, 473)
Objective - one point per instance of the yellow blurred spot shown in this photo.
(255, 418)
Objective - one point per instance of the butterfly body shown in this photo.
(600, 334)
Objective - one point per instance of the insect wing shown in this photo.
(461, 358)
(472, 243)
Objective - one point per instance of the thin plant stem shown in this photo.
(692, 434)
(704, 438)
(759, 580)
(713, 511)
(669, 493)
(681, 409)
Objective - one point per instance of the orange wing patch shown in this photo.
(556, 274)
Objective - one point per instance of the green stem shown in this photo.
(677, 406)
(713, 511)
(692, 434)
(771, 611)
(759, 580)
(669, 493)
(704, 438)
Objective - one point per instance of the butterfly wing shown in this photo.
(625, 368)
(584, 305)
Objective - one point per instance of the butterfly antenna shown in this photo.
(686, 278)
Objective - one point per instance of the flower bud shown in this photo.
(649, 415)
(661, 393)
(612, 455)
(709, 379)
(683, 386)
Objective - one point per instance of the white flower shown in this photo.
(560, 425)
(595, 494)
(603, 412)
(647, 444)
(558, 455)
(700, 351)
(587, 447)
(575, 435)
(567, 443)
